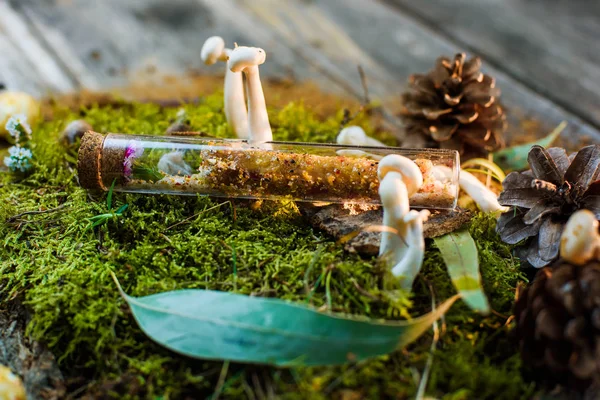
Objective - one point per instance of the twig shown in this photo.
(258, 387)
(363, 82)
(340, 378)
(345, 119)
(393, 121)
(221, 381)
(195, 215)
(436, 337)
(363, 291)
(268, 385)
(15, 217)
(496, 313)
(248, 389)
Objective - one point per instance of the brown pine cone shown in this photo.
(544, 198)
(558, 324)
(455, 106)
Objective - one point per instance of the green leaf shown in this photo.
(515, 158)
(121, 209)
(462, 260)
(148, 173)
(101, 216)
(216, 325)
(494, 169)
(110, 193)
(99, 222)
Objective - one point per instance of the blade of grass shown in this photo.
(110, 194)
(328, 291)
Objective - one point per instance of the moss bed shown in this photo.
(61, 270)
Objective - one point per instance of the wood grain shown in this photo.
(391, 45)
(113, 43)
(24, 62)
(549, 45)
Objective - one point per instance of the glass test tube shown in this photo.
(237, 169)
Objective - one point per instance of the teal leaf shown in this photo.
(122, 209)
(217, 325)
(462, 260)
(515, 158)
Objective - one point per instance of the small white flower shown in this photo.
(13, 151)
(14, 123)
(8, 161)
(19, 159)
(25, 153)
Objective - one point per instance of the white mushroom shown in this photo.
(247, 59)
(173, 164)
(484, 197)
(356, 136)
(235, 105)
(411, 174)
(580, 241)
(13, 104)
(399, 178)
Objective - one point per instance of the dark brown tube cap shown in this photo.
(89, 161)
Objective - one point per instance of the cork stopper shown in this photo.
(89, 161)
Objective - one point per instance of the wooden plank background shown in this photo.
(541, 51)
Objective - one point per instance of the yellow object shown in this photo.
(14, 103)
(11, 387)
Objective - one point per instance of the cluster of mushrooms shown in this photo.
(402, 244)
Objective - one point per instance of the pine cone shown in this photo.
(544, 198)
(456, 105)
(558, 324)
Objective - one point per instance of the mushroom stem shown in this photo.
(260, 128)
(212, 51)
(580, 241)
(247, 59)
(399, 179)
(484, 197)
(235, 103)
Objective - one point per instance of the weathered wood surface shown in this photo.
(550, 45)
(65, 45)
(29, 358)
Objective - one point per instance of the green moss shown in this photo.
(61, 268)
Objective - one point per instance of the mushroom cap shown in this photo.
(243, 57)
(212, 50)
(580, 239)
(352, 135)
(411, 174)
(74, 130)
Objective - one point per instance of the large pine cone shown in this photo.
(456, 106)
(558, 324)
(544, 198)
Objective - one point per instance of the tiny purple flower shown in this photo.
(132, 151)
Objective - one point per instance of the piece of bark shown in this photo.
(339, 222)
(26, 357)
